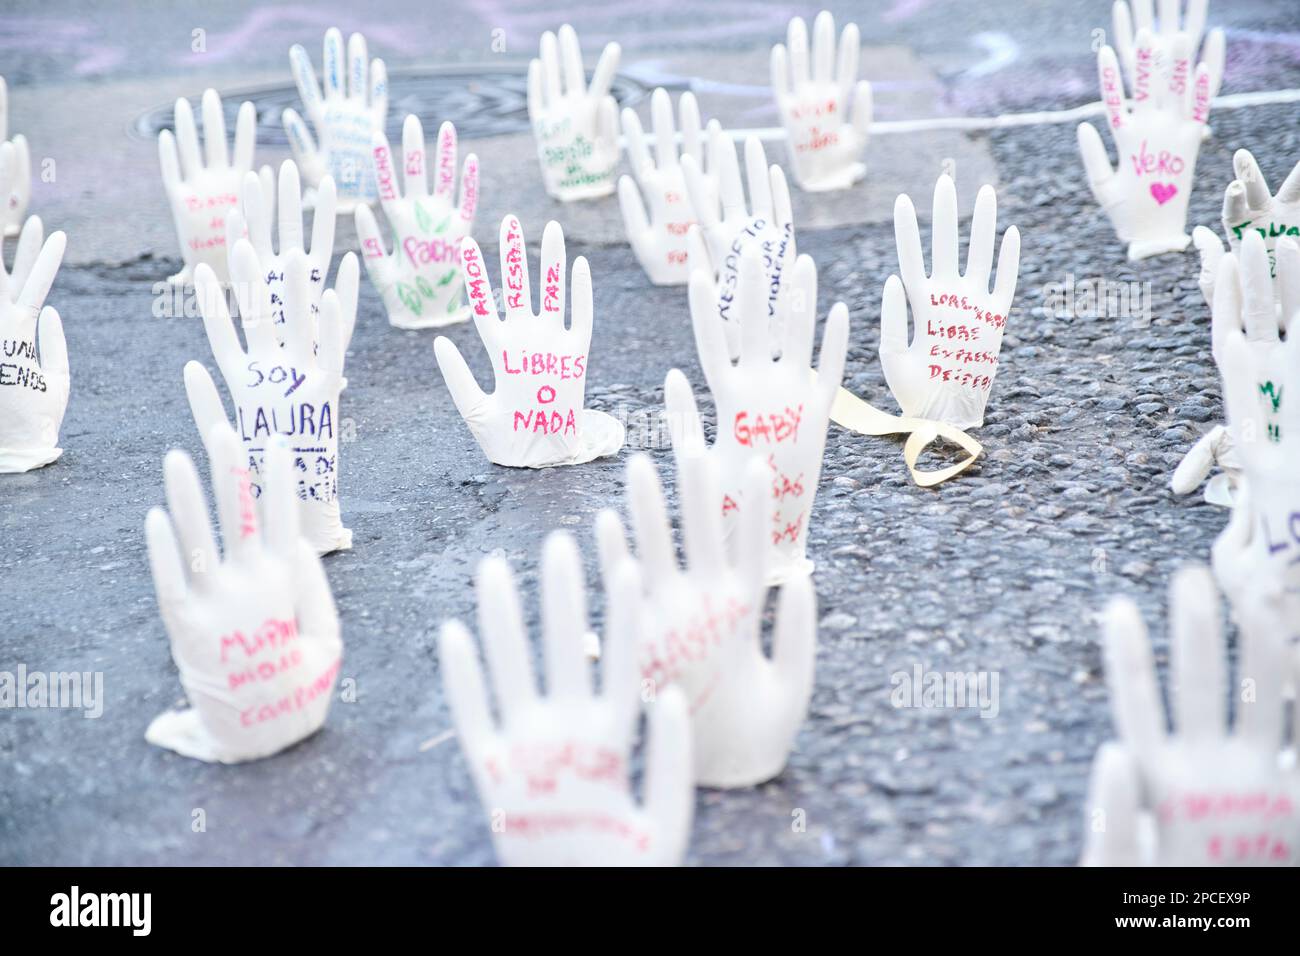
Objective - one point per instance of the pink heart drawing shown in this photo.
(1163, 192)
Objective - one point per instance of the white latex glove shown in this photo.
(420, 282)
(253, 219)
(775, 411)
(1156, 142)
(203, 190)
(534, 416)
(659, 240)
(946, 372)
(1209, 796)
(253, 631)
(700, 624)
(717, 242)
(825, 109)
(34, 376)
(289, 390)
(16, 196)
(576, 126)
(1257, 556)
(345, 118)
(1142, 17)
(552, 771)
(1243, 308)
(1248, 207)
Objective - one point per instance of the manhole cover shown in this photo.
(480, 103)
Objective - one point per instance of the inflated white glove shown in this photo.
(1257, 556)
(1202, 795)
(775, 411)
(290, 390)
(1243, 308)
(346, 118)
(576, 126)
(946, 372)
(1142, 17)
(15, 197)
(717, 242)
(420, 282)
(659, 240)
(253, 219)
(552, 771)
(34, 377)
(1156, 141)
(253, 631)
(825, 109)
(203, 190)
(534, 416)
(1249, 207)
(700, 624)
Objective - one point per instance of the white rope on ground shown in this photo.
(1046, 117)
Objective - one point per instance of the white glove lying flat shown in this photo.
(34, 377)
(659, 240)
(345, 118)
(253, 632)
(420, 282)
(774, 411)
(290, 390)
(768, 224)
(946, 373)
(1128, 22)
(552, 771)
(1257, 556)
(1243, 308)
(1156, 142)
(825, 135)
(15, 197)
(204, 190)
(534, 417)
(1248, 207)
(252, 219)
(700, 624)
(576, 127)
(1202, 795)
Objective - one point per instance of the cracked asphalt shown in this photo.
(1000, 571)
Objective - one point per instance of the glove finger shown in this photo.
(564, 619)
(214, 131)
(465, 391)
(1197, 656)
(651, 529)
(190, 518)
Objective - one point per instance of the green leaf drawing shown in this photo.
(410, 298)
(422, 218)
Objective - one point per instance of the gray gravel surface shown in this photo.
(1001, 570)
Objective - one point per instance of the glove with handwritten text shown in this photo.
(420, 281)
(701, 623)
(1156, 139)
(552, 770)
(290, 389)
(659, 239)
(534, 417)
(771, 410)
(824, 107)
(346, 116)
(575, 125)
(1213, 796)
(253, 628)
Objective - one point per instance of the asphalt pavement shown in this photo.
(999, 572)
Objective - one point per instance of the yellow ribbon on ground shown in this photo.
(856, 415)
